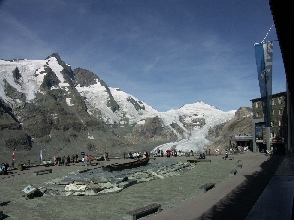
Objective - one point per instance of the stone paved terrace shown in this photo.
(169, 192)
(277, 200)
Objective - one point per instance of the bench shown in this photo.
(144, 211)
(39, 172)
(207, 186)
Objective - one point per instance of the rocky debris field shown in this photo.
(96, 181)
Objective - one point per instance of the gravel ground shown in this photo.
(176, 194)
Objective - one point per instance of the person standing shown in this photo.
(89, 159)
(63, 161)
(12, 163)
(6, 165)
(68, 160)
(41, 156)
(83, 161)
(77, 157)
(86, 160)
(2, 169)
(226, 155)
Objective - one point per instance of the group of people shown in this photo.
(65, 161)
(4, 168)
(175, 153)
(159, 153)
(86, 160)
(172, 153)
(137, 155)
(202, 156)
(207, 152)
(168, 153)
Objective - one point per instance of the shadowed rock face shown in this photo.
(151, 130)
(223, 133)
(11, 130)
(85, 77)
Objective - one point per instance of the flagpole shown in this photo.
(267, 123)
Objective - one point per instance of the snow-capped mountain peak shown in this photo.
(55, 91)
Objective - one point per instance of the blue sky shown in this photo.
(165, 53)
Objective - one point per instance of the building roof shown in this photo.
(273, 96)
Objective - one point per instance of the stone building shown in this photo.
(279, 123)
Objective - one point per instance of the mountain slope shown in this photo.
(49, 110)
(44, 104)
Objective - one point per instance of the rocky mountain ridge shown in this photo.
(45, 105)
(222, 134)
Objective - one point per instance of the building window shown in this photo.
(256, 105)
(280, 123)
(257, 114)
(280, 111)
(272, 124)
(273, 112)
(273, 134)
(280, 100)
(273, 102)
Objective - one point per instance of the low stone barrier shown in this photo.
(144, 211)
(192, 161)
(203, 160)
(233, 172)
(45, 171)
(207, 186)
